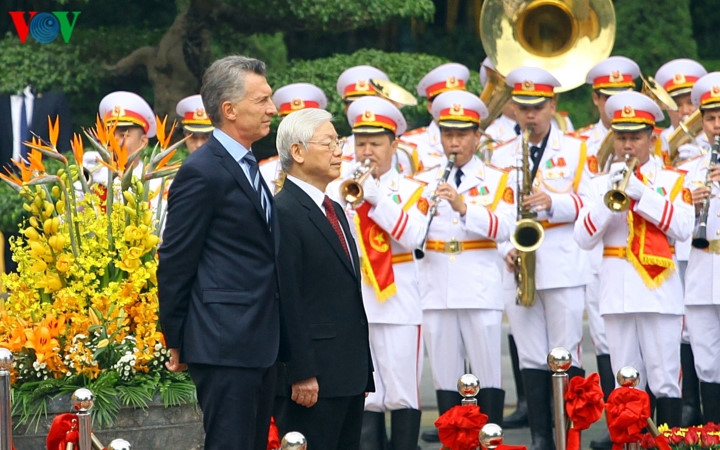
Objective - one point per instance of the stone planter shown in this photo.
(157, 427)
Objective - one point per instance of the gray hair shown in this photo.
(298, 126)
(224, 81)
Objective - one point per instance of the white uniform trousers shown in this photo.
(595, 320)
(555, 320)
(682, 267)
(703, 321)
(650, 343)
(397, 358)
(454, 334)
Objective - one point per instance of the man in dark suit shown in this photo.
(38, 107)
(217, 276)
(329, 370)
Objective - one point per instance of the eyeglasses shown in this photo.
(331, 145)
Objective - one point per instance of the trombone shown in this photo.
(700, 239)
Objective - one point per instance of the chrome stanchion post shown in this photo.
(83, 400)
(491, 436)
(629, 377)
(468, 386)
(293, 441)
(6, 363)
(119, 444)
(559, 360)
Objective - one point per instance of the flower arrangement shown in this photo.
(82, 311)
(691, 438)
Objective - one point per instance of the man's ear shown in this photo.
(297, 153)
(228, 110)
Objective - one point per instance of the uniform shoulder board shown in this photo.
(498, 168)
(564, 113)
(501, 144)
(415, 181)
(406, 144)
(657, 130)
(577, 134)
(675, 169)
(415, 131)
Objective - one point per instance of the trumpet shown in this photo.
(616, 199)
(420, 251)
(351, 190)
(529, 233)
(700, 239)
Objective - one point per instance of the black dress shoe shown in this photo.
(604, 443)
(430, 436)
(518, 419)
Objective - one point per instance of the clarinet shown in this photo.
(420, 251)
(700, 236)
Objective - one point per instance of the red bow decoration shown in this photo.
(63, 430)
(273, 436)
(627, 411)
(510, 447)
(458, 428)
(584, 406)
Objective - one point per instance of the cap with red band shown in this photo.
(531, 85)
(614, 74)
(355, 82)
(444, 78)
(127, 109)
(705, 93)
(372, 115)
(194, 116)
(297, 96)
(632, 111)
(458, 109)
(678, 76)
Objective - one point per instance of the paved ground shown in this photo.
(513, 437)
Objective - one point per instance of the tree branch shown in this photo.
(139, 57)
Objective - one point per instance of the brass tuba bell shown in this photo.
(686, 132)
(564, 37)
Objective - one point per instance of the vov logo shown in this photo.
(44, 27)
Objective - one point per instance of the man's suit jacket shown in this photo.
(51, 103)
(321, 299)
(217, 274)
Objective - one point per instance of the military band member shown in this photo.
(134, 122)
(460, 280)
(388, 226)
(677, 77)
(288, 99)
(702, 301)
(562, 270)
(444, 78)
(640, 288)
(195, 122)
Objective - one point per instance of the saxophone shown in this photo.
(528, 234)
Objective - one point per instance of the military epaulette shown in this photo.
(563, 113)
(675, 169)
(498, 168)
(415, 131)
(501, 144)
(657, 130)
(577, 135)
(419, 183)
(407, 144)
(585, 128)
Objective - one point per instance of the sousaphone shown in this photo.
(565, 37)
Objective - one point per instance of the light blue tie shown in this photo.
(250, 160)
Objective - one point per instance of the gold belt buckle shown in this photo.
(714, 246)
(453, 247)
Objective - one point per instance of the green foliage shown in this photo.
(705, 19)
(267, 47)
(11, 209)
(30, 400)
(653, 34)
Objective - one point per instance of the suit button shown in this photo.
(452, 258)
(455, 221)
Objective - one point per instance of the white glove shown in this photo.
(687, 151)
(371, 191)
(615, 174)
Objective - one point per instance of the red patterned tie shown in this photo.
(333, 218)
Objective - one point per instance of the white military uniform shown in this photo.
(702, 292)
(562, 269)
(394, 323)
(429, 148)
(643, 325)
(460, 280)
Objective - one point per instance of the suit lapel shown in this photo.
(233, 167)
(320, 221)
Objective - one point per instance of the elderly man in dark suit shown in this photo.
(329, 370)
(217, 277)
